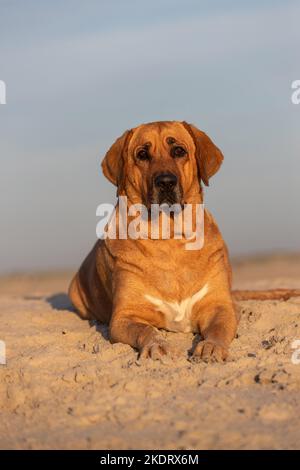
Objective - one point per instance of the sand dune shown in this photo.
(66, 386)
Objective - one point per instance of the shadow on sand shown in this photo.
(61, 301)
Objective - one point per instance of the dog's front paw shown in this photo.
(209, 351)
(158, 349)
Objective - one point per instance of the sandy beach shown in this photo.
(66, 387)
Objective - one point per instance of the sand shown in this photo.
(66, 387)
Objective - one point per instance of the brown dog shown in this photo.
(143, 285)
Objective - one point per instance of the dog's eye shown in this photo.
(143, 154)
(178, 151)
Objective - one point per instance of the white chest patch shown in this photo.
(178, 314)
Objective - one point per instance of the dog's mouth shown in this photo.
(162, 197)
(168, 198)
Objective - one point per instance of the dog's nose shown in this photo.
(165, 181)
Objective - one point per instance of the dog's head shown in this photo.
(162, 163)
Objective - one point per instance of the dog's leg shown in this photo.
(218, 328)
(141, 336)
(78, 299)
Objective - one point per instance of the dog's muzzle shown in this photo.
(165, 189)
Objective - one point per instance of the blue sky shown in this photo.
(79, 73)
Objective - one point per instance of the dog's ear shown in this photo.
(114, 162)
(209, 158)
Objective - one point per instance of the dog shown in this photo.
(140, 286)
